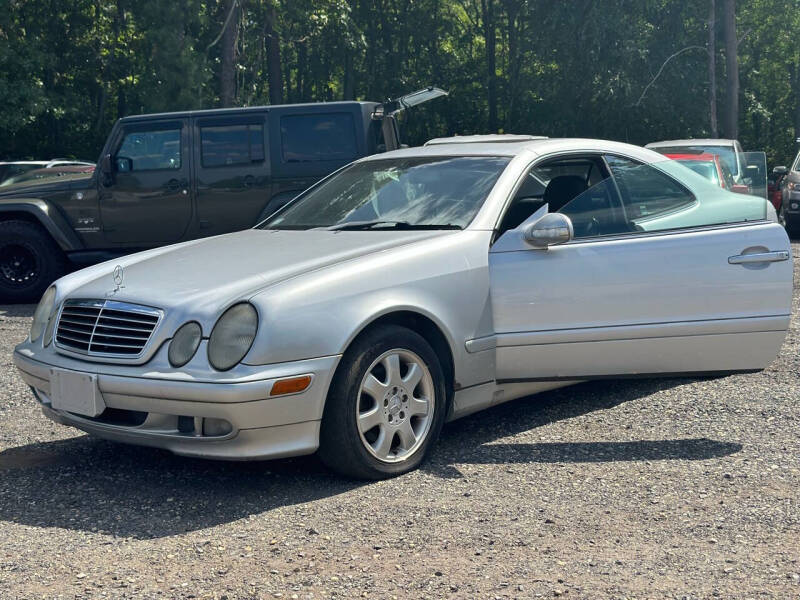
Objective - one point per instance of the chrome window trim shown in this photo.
(111, 305)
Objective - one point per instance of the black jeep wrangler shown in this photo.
(172, 177)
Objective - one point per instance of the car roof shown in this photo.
(692, 142)
(504, 138)
(240, 110)
(534, 147)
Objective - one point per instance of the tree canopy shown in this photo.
(630, 70)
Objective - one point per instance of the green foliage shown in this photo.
(633, 70)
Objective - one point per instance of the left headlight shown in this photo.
(42, 314)
(184, 344)
(232, 336)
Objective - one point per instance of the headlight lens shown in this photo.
(793, 186)
(232, 336)
(42, 314)
(184, 344)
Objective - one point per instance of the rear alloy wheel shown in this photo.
(29, 261)
(385, 407)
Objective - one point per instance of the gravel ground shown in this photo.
(683, 488)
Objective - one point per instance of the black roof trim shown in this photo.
(218, 112)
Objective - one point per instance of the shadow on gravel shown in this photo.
(17, 310)
(87, 484)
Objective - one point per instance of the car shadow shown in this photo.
(17, 310)
(87, 484)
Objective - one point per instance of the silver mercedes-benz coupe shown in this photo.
(408, 289)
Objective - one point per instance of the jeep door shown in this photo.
(232, 171)
(147, 201)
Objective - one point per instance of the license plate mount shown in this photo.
(76, 392)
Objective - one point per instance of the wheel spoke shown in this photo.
(368, 420)
(392, 365)
(374, 387)
(407, 436)
(413, 377)
(417, 406)
(383, 445)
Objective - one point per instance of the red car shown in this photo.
(712, 168)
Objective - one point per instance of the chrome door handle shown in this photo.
(759, 257)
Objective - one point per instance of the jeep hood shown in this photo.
(39, 187)
(207, 275)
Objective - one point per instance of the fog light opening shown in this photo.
(216, 427)
(290, 385)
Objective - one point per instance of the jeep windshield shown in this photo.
(403, 193)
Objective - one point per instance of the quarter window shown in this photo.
(324, 137)
(647, 192)
(157, 150)
(227, 145)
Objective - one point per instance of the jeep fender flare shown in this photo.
(44, 214)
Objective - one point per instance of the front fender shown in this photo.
(444, 279)
(49, 217)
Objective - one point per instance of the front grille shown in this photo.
(105, 327)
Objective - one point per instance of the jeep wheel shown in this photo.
(385, 407)
(29, 261)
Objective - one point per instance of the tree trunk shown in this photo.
(274, 58)
(227, 74)
(712, 69)
(732, 70)
(490, 37)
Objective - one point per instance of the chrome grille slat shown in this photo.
(106, 328)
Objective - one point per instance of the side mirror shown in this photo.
(780, 170)
(106, 170)
(550, 230)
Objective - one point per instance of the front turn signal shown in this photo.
(290, 385)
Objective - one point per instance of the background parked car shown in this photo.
(37, 175)
(16, 168)
(712, 168)
(173, 177)
(790, 197)
(729, 151)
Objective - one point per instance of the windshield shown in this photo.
(725, 153)
(425, 193)
(706, 169)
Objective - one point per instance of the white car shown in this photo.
(408, 289)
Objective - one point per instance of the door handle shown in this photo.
(173, 185)
(759, 257)
(249, 181)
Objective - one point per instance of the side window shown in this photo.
(647, 192)
(319, 137)
(235, 144)
(640, 198)
(156, 150)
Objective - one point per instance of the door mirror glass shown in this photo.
(550, 230)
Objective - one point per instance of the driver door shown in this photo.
(651, 284)
(148, 201)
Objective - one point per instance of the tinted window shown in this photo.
(640, 198)
(150, 150)
(232, 145)
(310, 138)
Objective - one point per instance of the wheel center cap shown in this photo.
(394, 405)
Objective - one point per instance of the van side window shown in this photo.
(321, 137)
(226, 145)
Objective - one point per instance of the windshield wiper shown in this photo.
(405, 225)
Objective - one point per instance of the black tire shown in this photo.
(29, 261)
(341, 447)
(789, 224)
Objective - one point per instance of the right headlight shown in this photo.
(184, 344)
(232, 336)
(41, 316)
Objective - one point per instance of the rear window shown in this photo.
(232, 145)
(313, 138)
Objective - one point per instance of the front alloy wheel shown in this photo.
(385, 407)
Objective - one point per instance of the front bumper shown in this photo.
(170, 414)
